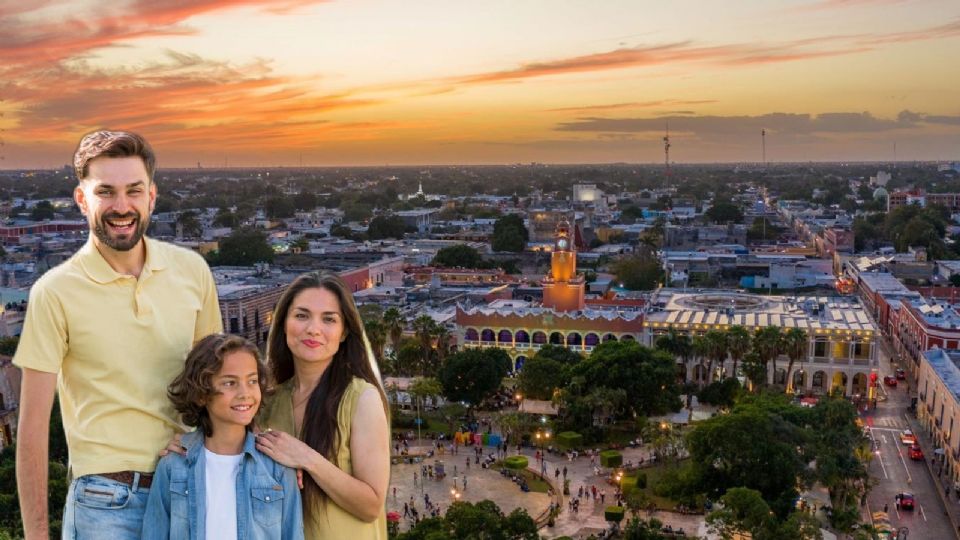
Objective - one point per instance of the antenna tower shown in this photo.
(763, 144)
(666, 155)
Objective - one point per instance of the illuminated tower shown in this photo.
(563, 289)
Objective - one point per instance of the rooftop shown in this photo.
(945, 365)
(704, 309)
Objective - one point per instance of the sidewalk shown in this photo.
(952, 506)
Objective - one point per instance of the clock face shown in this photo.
(562, 243)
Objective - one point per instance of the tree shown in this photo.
(768, 342)
(509, 234)
(541, 376)
(8, 345)
(473, 375)
(727, 451)
(465, 520)
(717, 348)
(424, 327)
(386, 227)
(394, 322)
(458, 256)
(42, 210)
(279, 207)
(795, 346)
(245, 247)
(374, 328)
(226, 218)
(744, 511)
(739, 341)
(724, 212)
(424, 387)
(639, 272)
(646, 375)
(189, 225)
(407, 356)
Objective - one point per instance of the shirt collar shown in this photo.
(100, 271)
(192, 442)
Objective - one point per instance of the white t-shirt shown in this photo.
(221, 494)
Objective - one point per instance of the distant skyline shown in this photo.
(362, 82)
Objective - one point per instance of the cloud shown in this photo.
(632, 105)
(28, 38)
(843, 4)
(774, 123)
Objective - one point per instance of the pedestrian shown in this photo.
(112, 323)
(603, 495)
(556, 473)
(414, 478)
(564, 473)
(884, 508)
(406, 510)
(394, 492)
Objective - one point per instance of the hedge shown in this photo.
(516, 462)
(613, 513)
(611, 458)
(628, 484)
(569, 440)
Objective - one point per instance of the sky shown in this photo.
(361, 82)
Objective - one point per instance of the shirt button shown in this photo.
(186, 492)
(268, 498)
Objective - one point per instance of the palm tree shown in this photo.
(376, 334)
(677, 344)
(700, 348)
(394, 322)
(442, 334)
(795, 345)
(424, 328)
(716, 350)
(738, 340)
(768, 343)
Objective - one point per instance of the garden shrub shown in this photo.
(611, 458)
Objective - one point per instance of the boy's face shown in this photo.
(238, 392)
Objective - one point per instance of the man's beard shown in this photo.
(124, 242)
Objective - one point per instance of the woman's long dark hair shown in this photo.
(320, 427)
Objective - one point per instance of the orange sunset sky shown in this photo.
(357, 82)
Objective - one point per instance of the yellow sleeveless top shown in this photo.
(332, 521)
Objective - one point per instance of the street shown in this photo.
(893, 470)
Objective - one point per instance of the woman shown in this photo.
(328, 417)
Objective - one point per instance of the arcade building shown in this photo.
(564, 318)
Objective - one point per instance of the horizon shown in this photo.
(315, 83)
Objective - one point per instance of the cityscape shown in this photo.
(634, 283)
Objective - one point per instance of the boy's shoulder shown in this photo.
(276, 469)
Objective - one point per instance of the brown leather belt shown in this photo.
(126, 477)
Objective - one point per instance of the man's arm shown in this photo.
(33, 443)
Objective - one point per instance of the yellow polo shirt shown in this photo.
(117, 342)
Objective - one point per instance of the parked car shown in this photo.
(906, 500)
(907, 437)
(915, 452)
(901, 374)
(890, 380)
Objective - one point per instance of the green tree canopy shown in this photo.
(467, 520)
(245, 247)
(648, 377)
(473, 375)
(458, 255)
(639, 272)
(279, 207)
(41, 211)
(386, 227)
(509, 234)
(724, 212)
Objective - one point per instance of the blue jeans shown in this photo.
(99, 507)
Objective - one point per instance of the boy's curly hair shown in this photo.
(194, 385)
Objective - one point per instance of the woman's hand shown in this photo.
(286, 449)
(174, 446)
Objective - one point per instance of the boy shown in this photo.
(223, 487)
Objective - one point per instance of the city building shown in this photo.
(565, 317)
(842, 340)
(938, 409)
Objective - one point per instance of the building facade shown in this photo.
(842, 343)
(938, 409)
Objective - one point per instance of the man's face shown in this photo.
(117, 197)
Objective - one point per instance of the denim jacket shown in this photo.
(268, 501)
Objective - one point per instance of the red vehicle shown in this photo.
(901, 374)
(915, 452)
(890, 381)
(906, 500)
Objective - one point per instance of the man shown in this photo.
(108, 330)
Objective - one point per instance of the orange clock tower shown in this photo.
(563, 289)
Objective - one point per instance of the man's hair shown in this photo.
(112, 144)
(194, 385)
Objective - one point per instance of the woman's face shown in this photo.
(314, 326)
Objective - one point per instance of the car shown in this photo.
(907, 437)
(916, 453)
(901, 374)
(890, 381)
(906, 500)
